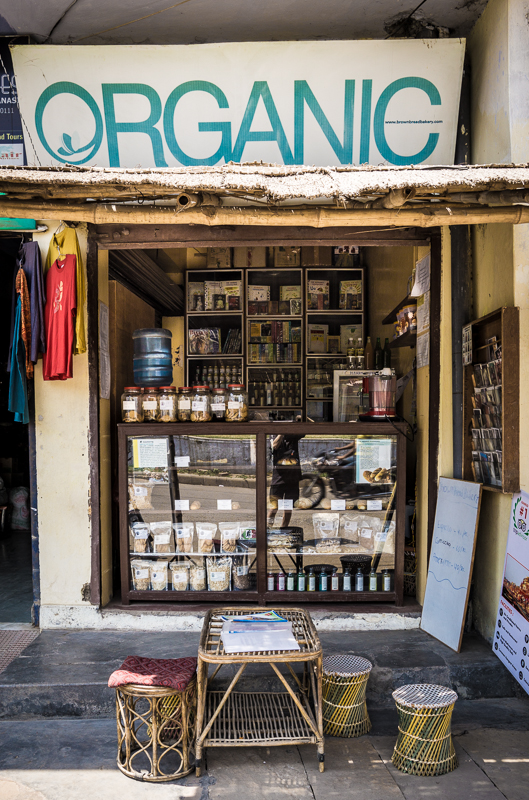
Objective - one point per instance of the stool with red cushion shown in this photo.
(155, 707)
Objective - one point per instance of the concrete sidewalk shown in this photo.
(75, 760)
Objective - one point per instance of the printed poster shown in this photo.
(511, 636)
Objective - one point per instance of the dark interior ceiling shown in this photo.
(200, 21)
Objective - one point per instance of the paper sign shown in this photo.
(423, 313)
(182, 461)
(181, 505)
(511, 636)
(422, 277)
(423, 350)
(285, 505)
(337, 505)
(223, 505)
(374, 505)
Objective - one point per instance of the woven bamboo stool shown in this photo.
(424, 744)
(156, 717)
(344, 696)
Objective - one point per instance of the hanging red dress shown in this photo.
(61, 304)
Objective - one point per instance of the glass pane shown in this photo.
(192, 513)
(331, 509)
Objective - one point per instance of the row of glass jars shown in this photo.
(190, 404)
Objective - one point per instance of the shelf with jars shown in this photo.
(259, 508)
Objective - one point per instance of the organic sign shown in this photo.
(511, 637)
(326, 103)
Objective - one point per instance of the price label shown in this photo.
(374, 505)
(366, 533)
(162, 538)
(166, 404)
(140, 491)
(218, 406)
(337, 505)
(150, 405)
(218, 576)
(242, 570)
(285, 505)
(200, 574)
(129, 405)
(198, 405)
(182, 461)
(181, 505)
(140, 573)
(184, 405)
(141, 534)
(381, 536)
(223, 505)
(233, 405)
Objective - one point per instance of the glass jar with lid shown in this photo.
(218, 403)
(237, 405)
(131, 407)
(151, 404)
(167, 404)
(185, 394)
(201, 404)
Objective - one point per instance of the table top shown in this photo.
(211, 648)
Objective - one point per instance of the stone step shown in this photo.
(65, 673)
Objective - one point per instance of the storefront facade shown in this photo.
(74, 426)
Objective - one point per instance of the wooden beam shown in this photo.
(317, 217)
(118, 237)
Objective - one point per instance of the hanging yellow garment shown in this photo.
(66, 241)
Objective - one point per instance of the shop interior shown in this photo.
(16, 579)
(168, 551)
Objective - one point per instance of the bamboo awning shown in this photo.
(270, 194)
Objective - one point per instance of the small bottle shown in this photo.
(372, 581)
(359, 580)
(347, 581)
(312, 581)
(360, 358)
(301, 581)
(351, 354)
(335, 581)
(281, 580)
(291, 580)
(387, 355)
(271, 582)
(323, 581)
(386, 581)
(368, 354)
(379, 357)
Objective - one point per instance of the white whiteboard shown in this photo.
(451, 560)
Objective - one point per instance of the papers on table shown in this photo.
(258, 632)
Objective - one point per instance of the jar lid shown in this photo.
(201, 387)
(168, 388)
(218, 389)
(184, 388)
(131, 389)
(235, 385)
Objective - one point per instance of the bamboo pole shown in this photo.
(317, 217)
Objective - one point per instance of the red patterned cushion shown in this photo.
(172, 672)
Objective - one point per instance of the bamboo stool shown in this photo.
(424, 744)
(156, 717)
(344, 696)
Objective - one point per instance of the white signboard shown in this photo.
(451, 560)
(511, 637)
(326, 103)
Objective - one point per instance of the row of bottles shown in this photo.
(277, 388)
(217, 376)
(377, 358)
(301, 582)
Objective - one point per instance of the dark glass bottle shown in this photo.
(387, 354)
(379, 357)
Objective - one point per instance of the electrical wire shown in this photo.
(404, 21)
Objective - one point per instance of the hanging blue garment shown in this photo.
(18, 387)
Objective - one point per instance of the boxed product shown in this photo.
(351, 295)
(290, 292)
(317, 338)
(258, 293)
(349, 332)
(211, 288)
(219, 257)
(195, 296)
(317, 295)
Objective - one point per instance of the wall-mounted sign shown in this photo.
(326, 103)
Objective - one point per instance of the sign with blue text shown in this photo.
(322, 103)
(511, 636)
(451, 560)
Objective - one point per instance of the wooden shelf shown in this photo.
(392, 316)
(408, 339)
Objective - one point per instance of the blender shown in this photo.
(382, 389)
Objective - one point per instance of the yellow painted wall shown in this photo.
(105, 465)
(63, 472)
(177, 328)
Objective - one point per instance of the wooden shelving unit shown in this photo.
(408, 339)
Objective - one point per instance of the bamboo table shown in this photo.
(246, 719)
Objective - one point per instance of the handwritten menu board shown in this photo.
(451, 560)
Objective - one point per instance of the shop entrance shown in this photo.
(16, 573)
(385, 262)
